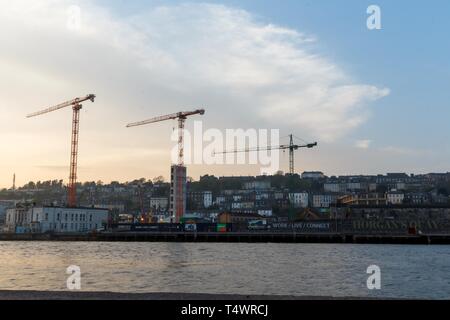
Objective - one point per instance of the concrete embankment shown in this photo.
(245, 237)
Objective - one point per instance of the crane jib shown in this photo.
(173, 116)
(73, 102)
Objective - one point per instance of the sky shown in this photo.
(376, 101)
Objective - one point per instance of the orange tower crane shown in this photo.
(76, 107)
(180, 181)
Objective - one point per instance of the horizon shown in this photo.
(230, 176)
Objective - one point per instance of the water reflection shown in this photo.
(287, 269)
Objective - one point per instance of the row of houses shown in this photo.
(265, 202)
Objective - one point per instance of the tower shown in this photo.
(178, 190)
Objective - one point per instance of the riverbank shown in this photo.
(236, 237)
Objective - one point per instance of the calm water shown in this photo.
(286, 269)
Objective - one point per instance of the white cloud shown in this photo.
(363, 144)
(244, 71)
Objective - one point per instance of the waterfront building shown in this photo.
(414, 212)
(55, 219)
(4, 205)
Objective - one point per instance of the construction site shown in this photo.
(22, 219)
(268, 206)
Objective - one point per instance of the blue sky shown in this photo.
(410, 55)
(376, 101)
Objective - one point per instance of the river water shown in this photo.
(337, 270)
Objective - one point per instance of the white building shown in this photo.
(395, 197)
(207, 199)
(323, 200)
(4, 205)
(55, 219)
(299, 199)
(159, 203)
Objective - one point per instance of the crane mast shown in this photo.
(76, 107)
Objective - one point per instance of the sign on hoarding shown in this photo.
(305, 226)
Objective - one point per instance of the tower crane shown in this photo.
(181, 116)
(291, 147)
(178, 183)
(76, 107)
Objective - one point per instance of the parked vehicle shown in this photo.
(258, 225)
